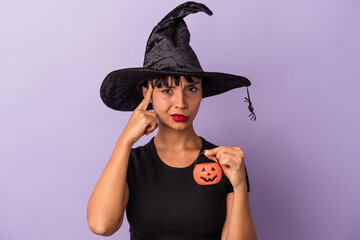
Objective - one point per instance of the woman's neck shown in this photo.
(177, 140)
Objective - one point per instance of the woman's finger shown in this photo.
(151, 128)
(231, 156)
(224, 149)
(214, 152)
(233, 163)
(150, 114)
(145, 102)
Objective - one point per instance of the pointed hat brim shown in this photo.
(121, 89)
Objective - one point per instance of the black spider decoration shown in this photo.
(251, 109)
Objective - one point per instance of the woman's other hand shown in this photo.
(141, 121)
(231, 160)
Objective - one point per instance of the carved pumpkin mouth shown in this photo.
(209, 179)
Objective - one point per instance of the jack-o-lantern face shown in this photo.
(207, 173)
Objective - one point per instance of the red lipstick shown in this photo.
(179, 117)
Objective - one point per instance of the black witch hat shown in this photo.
(168, 53)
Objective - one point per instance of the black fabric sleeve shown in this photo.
(247, 180)
(130, 165)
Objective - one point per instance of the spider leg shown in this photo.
(253, 116)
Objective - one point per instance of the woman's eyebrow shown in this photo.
(190, 85)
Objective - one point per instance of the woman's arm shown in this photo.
(105, 210)
(108, 201)
(238, 223)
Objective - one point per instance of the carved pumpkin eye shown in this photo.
(203, 170)
(212, 169)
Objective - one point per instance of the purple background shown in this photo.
(302, 153)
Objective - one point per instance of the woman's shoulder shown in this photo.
(142, 151)
(142, 147)
(208, 144)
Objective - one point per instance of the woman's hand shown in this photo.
(141, 121)
(231, 160)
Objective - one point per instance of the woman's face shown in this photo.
(183, 99)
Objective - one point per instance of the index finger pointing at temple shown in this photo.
(145, 102)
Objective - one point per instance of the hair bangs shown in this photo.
(169, 81)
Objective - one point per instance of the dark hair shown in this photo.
(164, 81)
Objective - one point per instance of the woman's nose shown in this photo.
(180, 100)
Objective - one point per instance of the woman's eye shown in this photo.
(194, 89)
(165, 90)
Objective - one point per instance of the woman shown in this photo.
(154, 182)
